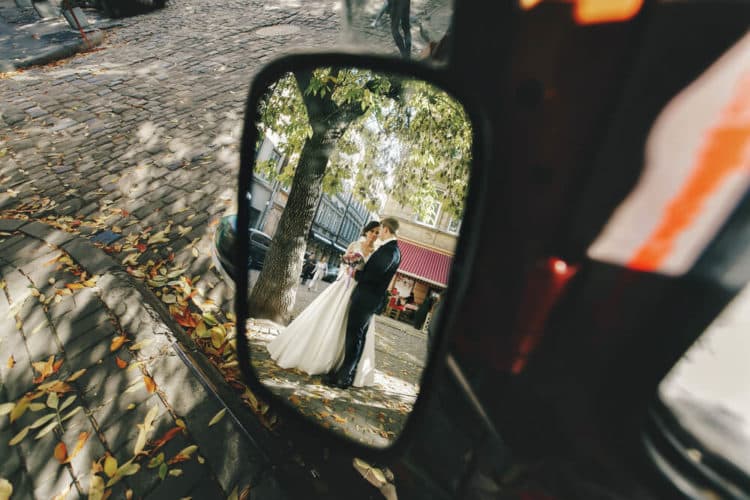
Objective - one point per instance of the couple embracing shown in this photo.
(335, 334)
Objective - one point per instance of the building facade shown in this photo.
(427, 245)
(338, 219)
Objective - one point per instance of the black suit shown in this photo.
(367, 297)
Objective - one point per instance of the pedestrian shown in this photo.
(308, 268)
(320, 272)
(424, 309)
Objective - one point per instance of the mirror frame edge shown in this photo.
(463, 258)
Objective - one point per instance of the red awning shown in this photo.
(424, 264)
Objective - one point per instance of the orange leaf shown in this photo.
(124, 212)
(57, 365)
(150, 384)
(117, 342)
(74, 286)
(61, 452)
(121, 363)
(166, 438)
(82, 437)
(184, 318)
(45, 369)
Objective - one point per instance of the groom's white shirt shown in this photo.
(383, 242)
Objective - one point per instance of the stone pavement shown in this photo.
(86, 359)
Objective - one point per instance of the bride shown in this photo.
(314, 341)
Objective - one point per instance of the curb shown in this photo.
(138, 310)
(95, 38)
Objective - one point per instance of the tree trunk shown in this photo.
(274, 293)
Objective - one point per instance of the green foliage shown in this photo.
(408, 139)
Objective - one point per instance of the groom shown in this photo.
(367, 298)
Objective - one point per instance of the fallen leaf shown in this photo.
(46, 430)
(140, 345)
(171, 433)
(159, 237)
(116, 229)
(58, 386)
(156, 461)
(110, 465)
(20, 408)
(142, 247)
(45, 369)
(120, 363)
(117, 342)
(175, 472)
(19, 437)
(11, 361)
(52, 400)
(61, 452)
(67, 402)
(42, 420)
(195, 252)
(183, 455)
(217, 417)
(6, 408)
(82, 437)
(169, 298)
(76, 375)
(131, 259)
(150, 384)
(96, 488)
(6, 489)
(163, 471)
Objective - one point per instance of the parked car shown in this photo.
(331, 274)
(224, 246)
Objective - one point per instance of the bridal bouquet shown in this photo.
(352, 260)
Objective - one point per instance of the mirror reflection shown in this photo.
(356, 204)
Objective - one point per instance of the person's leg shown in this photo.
(356, 331)
(395, 25)
(405, 7)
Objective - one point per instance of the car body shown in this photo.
(554, 355)
(224, 246)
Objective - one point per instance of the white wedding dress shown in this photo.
(314, 341)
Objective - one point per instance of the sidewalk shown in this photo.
(95, 391)
(27, 39)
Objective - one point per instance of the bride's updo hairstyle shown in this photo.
(370, 226)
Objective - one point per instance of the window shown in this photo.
(430, 217)
(454, 225)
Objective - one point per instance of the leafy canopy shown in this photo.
(411, 141)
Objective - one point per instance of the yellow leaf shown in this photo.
(6, 408)
(61, 452)
(82, 437)
(76, 375)
(110, 465)
(217, 337)
(217, 417)
(34, 292)
(6, 489)
(159, 237)
(11, 361)
(131, 406)
(19, 437)
(116, 229)
(117, 342)
(195, 252)
(96, 488)
(131, 259)
(201, 330)
(180, 423)
(20, 408)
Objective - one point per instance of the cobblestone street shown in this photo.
(133, 147)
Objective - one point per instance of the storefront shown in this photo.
(423, 270)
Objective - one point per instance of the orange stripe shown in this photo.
(725, 152)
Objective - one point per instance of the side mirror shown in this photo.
(365, 166)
